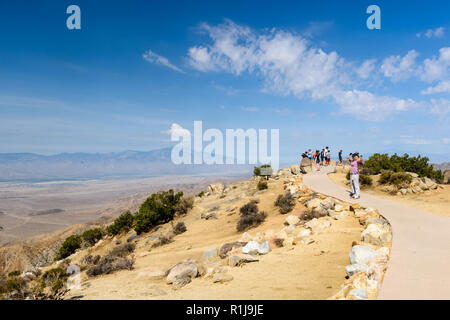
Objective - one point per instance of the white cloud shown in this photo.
(440, 107)
(367, 106)
(152, 57)
(446, 140)
(366, 68)
(289, 64)
(175, 128)
(441, 87)
(430, 33)
(399, 68)
(250, 109)
(437, 68)
(417, 141)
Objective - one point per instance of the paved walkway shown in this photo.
(419, 265)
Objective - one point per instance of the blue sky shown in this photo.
(312, 69)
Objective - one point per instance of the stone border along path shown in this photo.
(419, 265)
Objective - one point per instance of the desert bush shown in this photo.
(92, 236)
(285, 203)
(184, 205)
(109, 264)
(365, 180)
(69, 246)
(257, 170)
(179, 228)
(278, 242)
(400, 179)
(13, 284)
(379, 162)
(385, 176)
(122, 224)
(14, 273)
(159, 208)
(366, 171)
(123, 250)
(162, 240)
(201, 194)
(250, 216)
(262, 185)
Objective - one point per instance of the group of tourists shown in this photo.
(323, 157)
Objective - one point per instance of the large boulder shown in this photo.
(228, 247)
(210, 254)
(362, 254)
(355, 268)
(377, 234)
(216, 188)
(292, 220)
(254, 247)
(313, 203)
(295, 169)
(187, 267)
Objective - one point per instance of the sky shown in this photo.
(137, 70)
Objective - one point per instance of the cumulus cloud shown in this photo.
(437, 68)
(366, 68)
(399, 68)
(430, 33)
(441, 87)
(290, 64)
(152, 57)
(176, 129)
(367, 106)
(440, 106)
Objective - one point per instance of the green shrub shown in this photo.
(262, 185)
(13, 284)
(385, 176)
(159, 208)
(250, 216)
(122, 224)
(379, 162)
(123, 250)
(201, 194)
(257, 170)
(69, 246)
(400, 179)
(285, 202)
(14, 273)
(92, 236)
(365, 180)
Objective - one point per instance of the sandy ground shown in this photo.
(285, 273)
(31, 209)
(433, 201)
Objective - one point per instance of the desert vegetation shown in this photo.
(285, 203)
(257, 170)
(250, 216)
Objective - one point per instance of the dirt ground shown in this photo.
(433, 201)
(292, 272)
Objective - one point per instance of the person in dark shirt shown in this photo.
(340, 156)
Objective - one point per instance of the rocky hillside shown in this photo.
(254, 239)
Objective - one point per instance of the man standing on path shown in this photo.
(354, 175)
(340, 157)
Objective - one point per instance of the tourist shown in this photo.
(310, 155)
(340, 157)
(328, 155)
(354, 174)
(317, 158)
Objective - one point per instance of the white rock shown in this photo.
(338, 208)
(359, 293)
(355, 268)
(377, 234)
(362, 254)
(304, 233)
(254, 247)
(292, 220)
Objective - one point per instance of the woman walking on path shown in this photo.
(354, 175)
(317, 158)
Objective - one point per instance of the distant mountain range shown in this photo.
(32, 167)
(442, 166)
